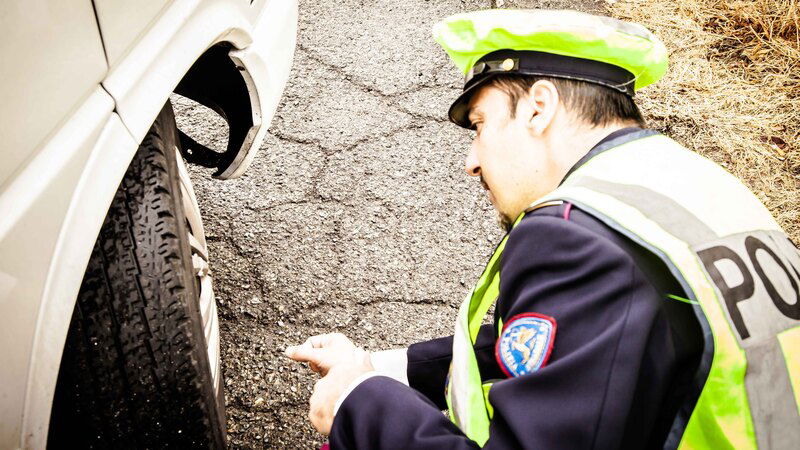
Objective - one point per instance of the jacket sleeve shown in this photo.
(429, 363)
(580, 398)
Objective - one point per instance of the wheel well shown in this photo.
(216, 82)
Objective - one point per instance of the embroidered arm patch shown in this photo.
(525, 343)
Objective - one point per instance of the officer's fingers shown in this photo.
(336, 336)
(294, 348)
(316, 418)
(330, 340)
(339, 338)
(304, 353)
(309, 343)
(320, 423)
(317, 341)
(316, 410)
(322, 341)
(313, 411)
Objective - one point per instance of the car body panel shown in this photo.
(123, 22)
(50, 65)
(54, 200)
(34, 208)
(106, 165)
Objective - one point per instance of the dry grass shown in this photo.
(732, 92)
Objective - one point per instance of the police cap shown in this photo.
(562, 44)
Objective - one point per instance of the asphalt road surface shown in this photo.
(356, 216)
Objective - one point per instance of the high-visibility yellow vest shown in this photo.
(733, 261)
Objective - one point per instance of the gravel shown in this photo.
(356, 216)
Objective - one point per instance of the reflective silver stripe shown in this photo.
(769, 391)
(671, 216)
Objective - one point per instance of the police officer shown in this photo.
(643, 296)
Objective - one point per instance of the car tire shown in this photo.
(140, 367)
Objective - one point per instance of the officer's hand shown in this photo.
(328, 390)
(324, 351)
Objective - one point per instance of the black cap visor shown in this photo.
(533, 63)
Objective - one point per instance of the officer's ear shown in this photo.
(541, 106)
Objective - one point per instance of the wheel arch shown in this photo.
(189, 56)
(222, 84)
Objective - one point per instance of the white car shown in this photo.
(108, 327)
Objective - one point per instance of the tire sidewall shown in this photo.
(171, 141)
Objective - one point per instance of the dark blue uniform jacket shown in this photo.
(622, 361)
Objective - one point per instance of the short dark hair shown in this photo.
(596, 104)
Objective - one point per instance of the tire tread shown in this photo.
(135, 372)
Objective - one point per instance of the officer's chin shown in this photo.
(504, 222)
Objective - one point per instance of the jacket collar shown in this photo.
(615, 139)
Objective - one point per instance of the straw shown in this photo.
(732, 92)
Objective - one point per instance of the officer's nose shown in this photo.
(471, 164)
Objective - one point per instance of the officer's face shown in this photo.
(511, 155)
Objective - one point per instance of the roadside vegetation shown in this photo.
(732, 91)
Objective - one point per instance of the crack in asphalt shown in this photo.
(377, 92)
(366, 88)
(297, 140)
(360, 141)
